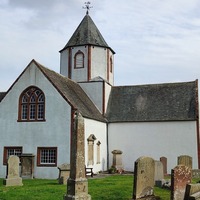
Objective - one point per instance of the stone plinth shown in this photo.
(77, 184)
(117, 159)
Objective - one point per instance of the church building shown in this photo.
(36, 113)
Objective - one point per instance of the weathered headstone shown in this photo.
(27, 165)
(13, 178)
(117, 159)
(180, 176)
(164, 162)
(64, 171)
(144, 170)
(185, 160)
(77, 184)
(159, 175)
(192, 191)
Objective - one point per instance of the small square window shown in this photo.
(8, 151)
(47, 156)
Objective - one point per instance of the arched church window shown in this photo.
(32, 105)
(79, 60)
(111, 64)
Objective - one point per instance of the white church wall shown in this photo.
(111, 72)
(95, 91)
(99, 130)
(54, 132)
(99, 62)
(154, 139)
(107, 94)
(64, 55)
(79, 74)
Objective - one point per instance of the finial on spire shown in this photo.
(87, 6)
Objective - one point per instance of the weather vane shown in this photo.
(87, 6)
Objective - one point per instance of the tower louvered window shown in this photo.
(79, 60)
(32, 105)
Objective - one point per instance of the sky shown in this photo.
(155, 41)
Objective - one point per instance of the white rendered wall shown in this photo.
(99, 130)
(98, 92)
(80, 74)
(154, 139)
(64, 55)
(99, 63)
(95, 91)
(54, 132)
(107, 94)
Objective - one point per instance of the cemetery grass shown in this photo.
(119, 187)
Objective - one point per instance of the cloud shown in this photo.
(154, 40)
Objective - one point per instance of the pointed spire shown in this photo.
(87, 33)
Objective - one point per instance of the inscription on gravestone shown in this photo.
(13, 178)
(143, 177)
(180, 176)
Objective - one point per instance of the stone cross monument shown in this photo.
(77, 185)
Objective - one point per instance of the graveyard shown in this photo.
(148, 181)
(108, 188)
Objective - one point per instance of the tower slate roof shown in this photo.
(87, 33)
(155, 102)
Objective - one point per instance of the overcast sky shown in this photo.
(155, 41)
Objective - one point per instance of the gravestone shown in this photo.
(192, 191)
(164, 162)
(159, 175)
(185, 160)
(144, 170)
(117, 159)
(27, 165)
(181, 175)
(12, 178)
(64, 171)
(77, 184)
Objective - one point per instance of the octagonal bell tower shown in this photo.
(86, 55)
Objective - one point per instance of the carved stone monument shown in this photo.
(117, 159)
(77, 184)
(144, 179)
(181, 175)
(12, 178)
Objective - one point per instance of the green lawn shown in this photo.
(108, 188)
